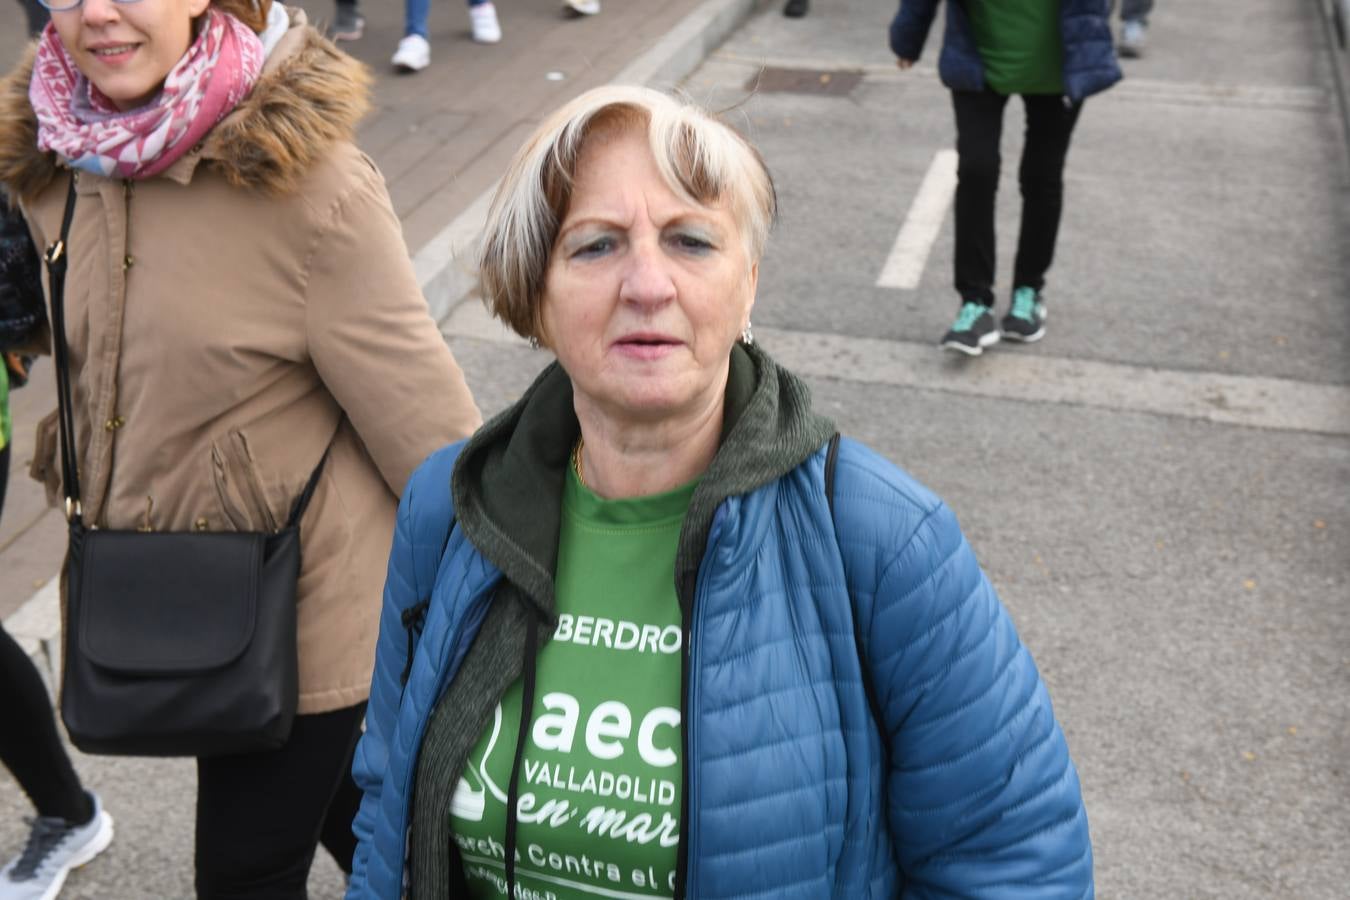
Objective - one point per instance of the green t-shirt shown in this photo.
(4, 405)
(600, 785)
(1020, 45)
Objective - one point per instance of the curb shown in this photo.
(442, 267)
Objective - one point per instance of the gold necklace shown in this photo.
(576, 461)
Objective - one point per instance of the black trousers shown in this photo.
(260, 816)
(30, 745)
(979, 128)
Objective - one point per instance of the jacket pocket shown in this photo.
(239, 487)
(44, 467)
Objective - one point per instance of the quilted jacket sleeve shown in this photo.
(909, 28)
(372, 752)
(983, 800)
(424, 516)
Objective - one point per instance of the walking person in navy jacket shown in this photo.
(1054, 53)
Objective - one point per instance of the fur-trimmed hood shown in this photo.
(310, 96)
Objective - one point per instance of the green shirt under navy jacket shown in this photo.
(4, 406)
(1020, 45)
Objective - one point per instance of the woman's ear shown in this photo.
(197, 7)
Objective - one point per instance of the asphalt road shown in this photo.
(1158, 490)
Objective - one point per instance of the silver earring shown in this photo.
(747, 335)
(534, 342)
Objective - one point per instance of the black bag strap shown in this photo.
(57, 258)
(869, 686)
(302, 502)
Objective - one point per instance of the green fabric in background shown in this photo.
(1020, 45)
(4, 406)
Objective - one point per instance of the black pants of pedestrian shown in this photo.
(30, 745)
(260, 816)
(979, 128)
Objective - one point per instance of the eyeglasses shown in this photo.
(68, 5)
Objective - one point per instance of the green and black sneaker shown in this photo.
(1025, 321)
(973, 330)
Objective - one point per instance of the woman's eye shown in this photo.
(693, 243)
(596, 247)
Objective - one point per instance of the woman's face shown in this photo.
(127, 49)
(645, 293)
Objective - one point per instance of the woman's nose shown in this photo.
(99, 12)
(647, 279)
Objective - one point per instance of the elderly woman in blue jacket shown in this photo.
(1054, 53)
(655, 631)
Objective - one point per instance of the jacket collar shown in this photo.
(310, 96)
(508, 482)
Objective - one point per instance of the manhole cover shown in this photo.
(825, 82)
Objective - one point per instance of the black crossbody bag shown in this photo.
(176, 643)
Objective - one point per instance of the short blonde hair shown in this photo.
(703, 160)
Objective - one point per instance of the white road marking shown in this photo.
(1282, 404)
(1250, 401)
(904, 267)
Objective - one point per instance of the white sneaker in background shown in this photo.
(486, 28)
(413, 54)
(1133, 36)
(54, 847)
(581, 7)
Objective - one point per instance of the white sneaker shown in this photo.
(54, 847)
(581, 7)
(1133, 36)
(486, 28)
(413, 54)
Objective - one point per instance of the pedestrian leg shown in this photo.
(1050, 123)
(1136, 10)
(70, 828)
(30, 745)
(260, 815)
(979, 127)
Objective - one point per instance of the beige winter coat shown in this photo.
(234, 317)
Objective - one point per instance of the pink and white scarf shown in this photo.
(84, 127)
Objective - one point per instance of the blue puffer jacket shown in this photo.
(1090, 62)
(791, 793)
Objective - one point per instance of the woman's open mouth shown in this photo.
(113, 53)
(645, 346)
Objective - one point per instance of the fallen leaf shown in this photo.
(1249, 584)
(1319, 524)
(825, 77)
(1293, 729)
(1159, 545)
(1248, 756)
(1281, 340)
(1185, 776)
(1223, 354)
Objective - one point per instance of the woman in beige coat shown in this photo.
(239, 301)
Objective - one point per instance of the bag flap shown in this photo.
(167, 603)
